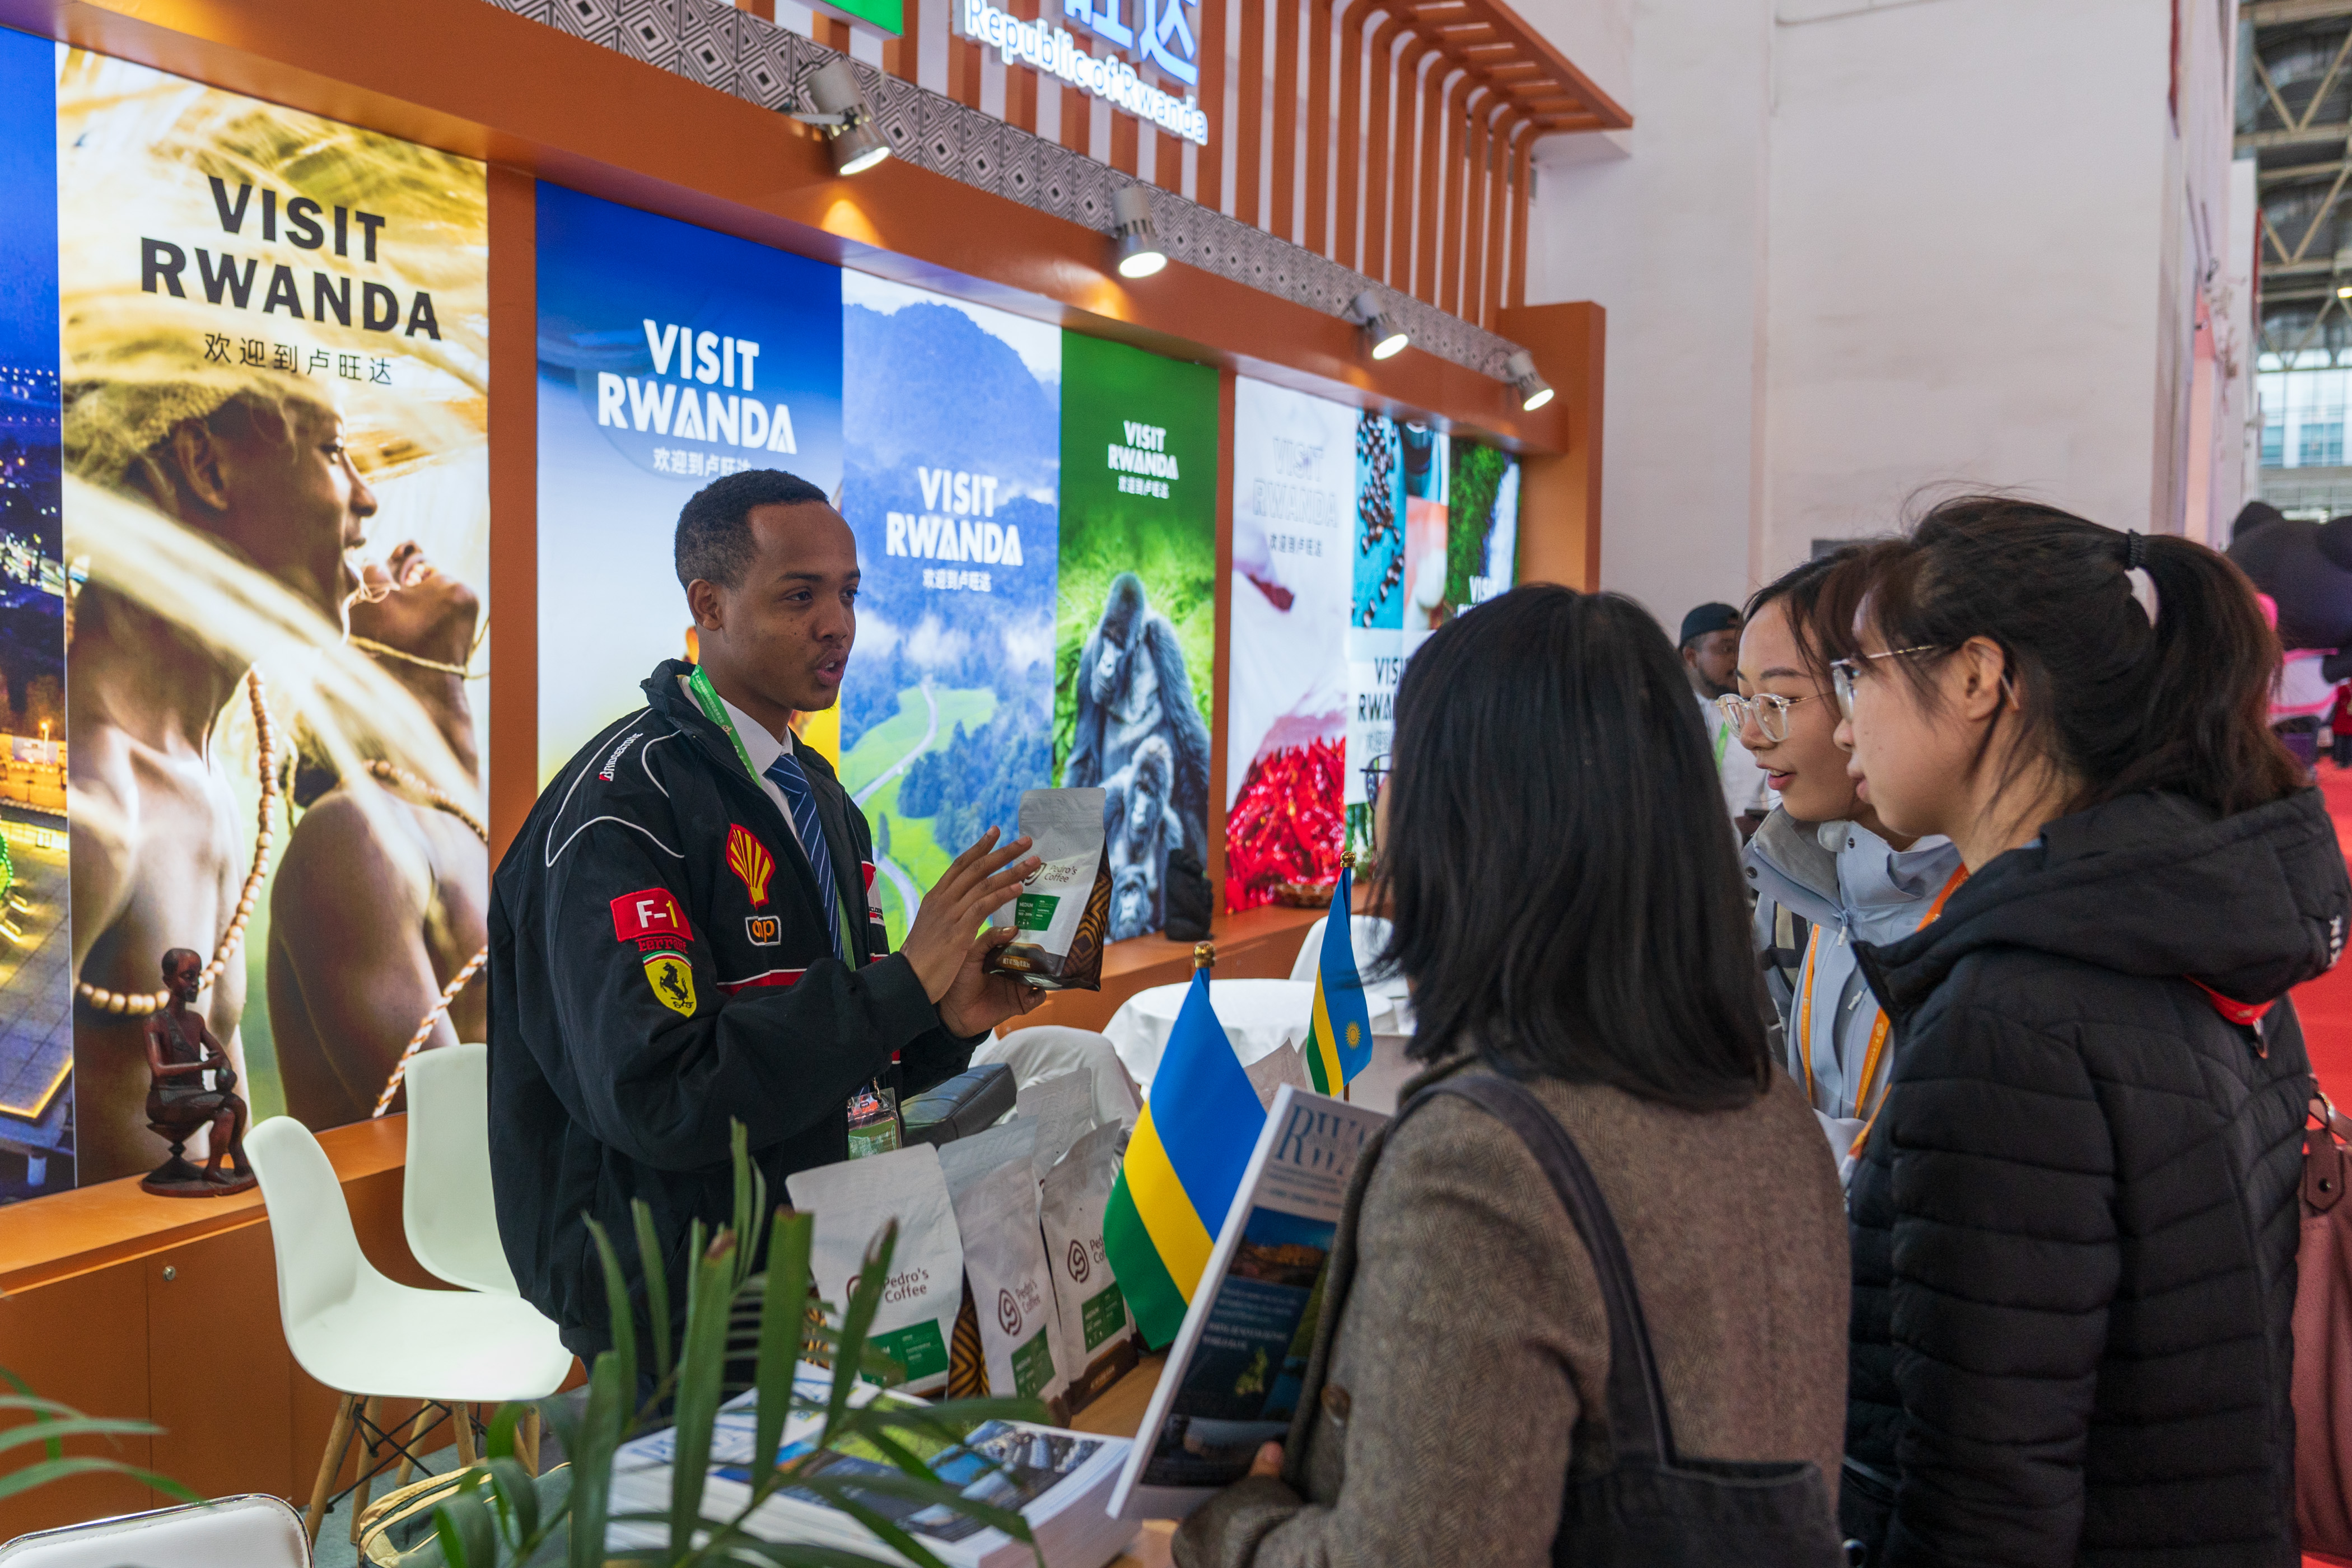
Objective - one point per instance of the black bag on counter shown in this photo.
(962, 1105)
(1188, 899)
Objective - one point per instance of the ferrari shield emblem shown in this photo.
(672, 979)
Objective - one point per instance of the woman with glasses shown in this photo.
(2075, 1224)
(1826, 872)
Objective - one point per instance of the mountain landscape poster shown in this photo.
(951, 479)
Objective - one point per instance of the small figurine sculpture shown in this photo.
(181, 1049)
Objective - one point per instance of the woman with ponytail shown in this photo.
(2073, 1218)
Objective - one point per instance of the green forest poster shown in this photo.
(1135, 627)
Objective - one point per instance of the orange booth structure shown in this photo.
(129, 1305)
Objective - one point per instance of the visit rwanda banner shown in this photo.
(275, 404)
(669, 356)
(1286, 682)
(1135, 637)
(36, 964)
(952, 483)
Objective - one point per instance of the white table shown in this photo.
(1258, 1015)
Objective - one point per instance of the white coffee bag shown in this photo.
(1012, 1289)
(1097, 1343)
(852, 1202)
(1061, 1109)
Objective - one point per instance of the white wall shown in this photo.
(1857, 251)
(1665, 226)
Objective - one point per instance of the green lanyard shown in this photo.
(1722, 740)
(706, 696)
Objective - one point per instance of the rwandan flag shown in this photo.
(1339, 1042)
(1183, 1165)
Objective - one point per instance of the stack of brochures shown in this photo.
(1059, 1480)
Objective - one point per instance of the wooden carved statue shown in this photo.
(181, 1049)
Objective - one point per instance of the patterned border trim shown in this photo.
(713, 43)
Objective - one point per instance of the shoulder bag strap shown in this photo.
(1638, 1426)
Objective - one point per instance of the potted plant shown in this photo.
(735, 1312)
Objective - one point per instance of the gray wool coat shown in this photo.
(1460, 1360)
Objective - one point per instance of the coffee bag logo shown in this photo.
(1079, 1267)
(1008, 1313)
(750, 860)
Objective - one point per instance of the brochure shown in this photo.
(1232, 1376)
(1060, 1480)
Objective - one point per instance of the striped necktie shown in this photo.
(786, 773)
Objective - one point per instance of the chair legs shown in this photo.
(531, 1439)
(464, 1417)
(372, 1434)
(339, 1440)
(415, 1434)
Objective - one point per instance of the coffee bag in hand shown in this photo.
(1064, 907)
(852, 1202)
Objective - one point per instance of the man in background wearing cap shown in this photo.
(1711, 658)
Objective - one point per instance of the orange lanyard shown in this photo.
(1878, 1031)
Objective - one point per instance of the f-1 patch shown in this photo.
(648, 915)
(672, 979)
(750, 860)
(763, 930)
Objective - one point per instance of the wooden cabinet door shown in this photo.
(81, 1339)
(220, 1373)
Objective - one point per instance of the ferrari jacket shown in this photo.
(2075, 1224)
(659, 969)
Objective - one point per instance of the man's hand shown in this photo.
(940, 942)
(978, 1000)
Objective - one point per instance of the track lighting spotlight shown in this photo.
(841, 111)
(1534, 391)
(1136, 242)
(1385, 336)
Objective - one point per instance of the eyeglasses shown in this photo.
(1376, 773)
(1770, 710)
(1845, 672)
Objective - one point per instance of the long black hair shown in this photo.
(1559, 861)
(1819, 597)
(2124, 706)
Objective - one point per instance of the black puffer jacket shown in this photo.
(2074, 1225)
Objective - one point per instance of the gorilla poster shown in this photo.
(274, 408)
(1135, 632)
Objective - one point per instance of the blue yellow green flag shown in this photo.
(1339, 1042)
(1183, 1165)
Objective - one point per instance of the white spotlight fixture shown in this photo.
(1534, 391)
(841, 112)
(1135, 241)
(1386, 337)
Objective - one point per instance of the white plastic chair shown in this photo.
(372, 1340)
(249, 1531)
(447, 1206)
(1370, 934)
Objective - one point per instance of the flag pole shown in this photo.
(1347, 865)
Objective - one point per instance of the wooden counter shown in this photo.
(1119, 1413)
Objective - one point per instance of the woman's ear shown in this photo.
(1978, 684)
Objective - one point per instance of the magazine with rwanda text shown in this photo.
(1234, 1375)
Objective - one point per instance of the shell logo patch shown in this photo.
(750, 860)
(672, 979)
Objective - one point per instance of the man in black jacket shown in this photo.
(683, 934)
